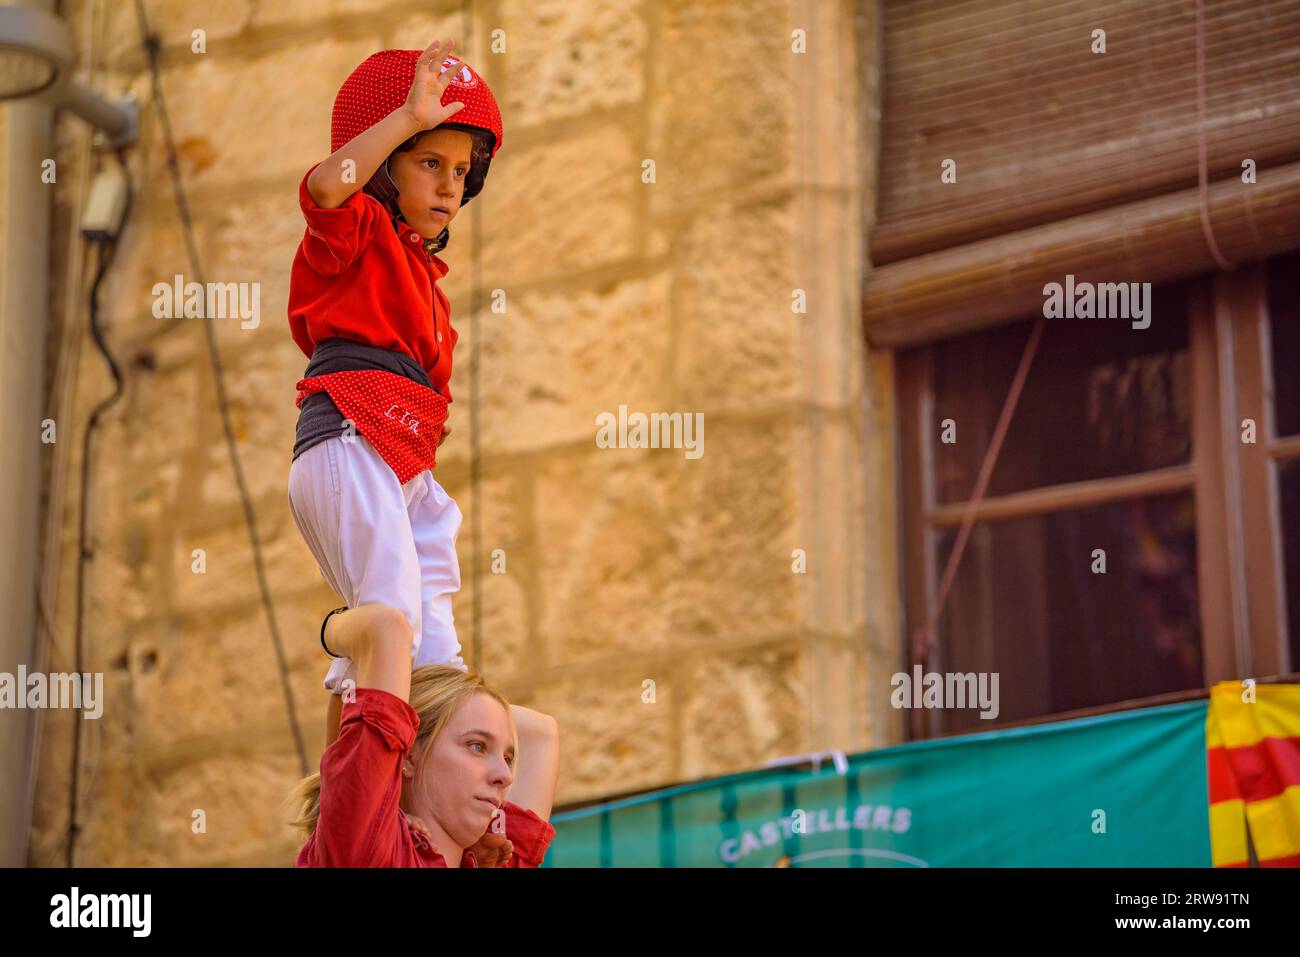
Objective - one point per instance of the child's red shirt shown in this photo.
(362, 276)
(355, 277)
(361, 824)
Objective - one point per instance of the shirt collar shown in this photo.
(413, 240)
(422, 846)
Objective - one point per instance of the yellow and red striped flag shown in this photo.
(1252, 748)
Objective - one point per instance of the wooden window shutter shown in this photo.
(1045, 132)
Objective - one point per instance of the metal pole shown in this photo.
(24, 321)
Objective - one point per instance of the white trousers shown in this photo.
(377, 541)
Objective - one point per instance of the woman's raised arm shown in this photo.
(538, 766)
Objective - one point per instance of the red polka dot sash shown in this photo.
(402, 419)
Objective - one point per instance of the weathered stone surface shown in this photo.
(151, 252)
(242, 800)
(840, 694)
(622, 566)
(723, 101)
(744, 707)
(245, 27)
(142, 455)
(174, 22)
(265, 117)
(879, 553)
(553, 362)
(4, 125)
(734, 522)
(502, 499)
(504, 652)
(565, 205)
(414, 24)
(611, 739)
(826, 235)
(740, 342)
(508, 573)
(254, 240)
(260, 392)
(607, 555)
(229, 561)
(191, 679)
(564, 59)
(830, 587)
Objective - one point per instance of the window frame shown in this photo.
(1240, 579)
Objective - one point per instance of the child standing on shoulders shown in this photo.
(413, 134)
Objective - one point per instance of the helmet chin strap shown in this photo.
(430, 245)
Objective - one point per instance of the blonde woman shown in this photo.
(419, 773)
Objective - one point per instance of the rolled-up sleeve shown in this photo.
(529, 834)
(361, 781)
(336, 237)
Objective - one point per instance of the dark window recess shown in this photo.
(1103, 399)
(1028, 605)
(1284, 330)
(1288, 489)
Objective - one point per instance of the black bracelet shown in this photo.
(322, 632)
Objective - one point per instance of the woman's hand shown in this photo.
(493, 850)
(424, 101)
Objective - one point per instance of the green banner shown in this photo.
(1119, 790)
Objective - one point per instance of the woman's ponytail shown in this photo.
(305, 800)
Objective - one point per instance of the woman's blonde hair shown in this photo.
(437, 692)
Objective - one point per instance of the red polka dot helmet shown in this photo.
(380, 85)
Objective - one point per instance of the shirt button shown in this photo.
(440, 337)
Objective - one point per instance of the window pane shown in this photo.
(1102, 399)
(1027, 604)
(1284, 327)
(1288, 487)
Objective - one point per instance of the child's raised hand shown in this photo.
(424, 102)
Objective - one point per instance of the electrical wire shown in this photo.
(475, 451)
(107, 251)
(60, 398)
(924, 642)
(1202, 173)
(152, 48)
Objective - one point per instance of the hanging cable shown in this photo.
(152, 49)
(1202, 162)
(475, 451)
(924, 644)
(106, 247)
(107, 250)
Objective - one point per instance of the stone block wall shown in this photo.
(621, 565)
